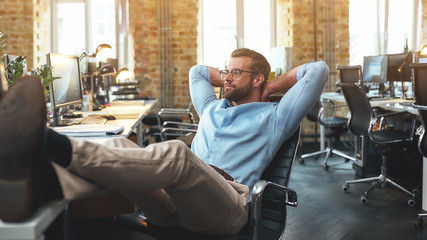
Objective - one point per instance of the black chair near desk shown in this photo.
(419, 77)
(335, 128)
(366, 122)
(270, 197)
(170, 118)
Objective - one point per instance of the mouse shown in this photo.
(109, 117)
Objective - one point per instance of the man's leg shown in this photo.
(22, 166)
(204, 200)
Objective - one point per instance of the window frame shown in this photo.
(120, 50)
(240, 32)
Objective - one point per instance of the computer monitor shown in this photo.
(398, 67)
(67, 90)
(375, 69)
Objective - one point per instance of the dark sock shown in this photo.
(59, 148)
(55, 148)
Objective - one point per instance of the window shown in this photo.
(227, 25)
(383, 27)
(84, 24)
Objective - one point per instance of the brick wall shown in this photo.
(145, 36)
(297, 25)
(16, 22)
(41, 31)
(301, 25)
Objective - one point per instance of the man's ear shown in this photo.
(259, 80)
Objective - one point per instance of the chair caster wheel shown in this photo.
(301, 161)
(363, 200)
(419, 223)
(416, 191)
(345, 188)
(325, 167)
(411, 202)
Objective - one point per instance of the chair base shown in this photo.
(420, 221)
(328, 151)
(377, 181)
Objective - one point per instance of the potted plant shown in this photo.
(15, 70)
(45, 75)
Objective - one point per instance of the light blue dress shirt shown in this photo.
(242, 140)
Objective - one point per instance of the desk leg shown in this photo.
(424, 195)
(322, 137)
(139, 135)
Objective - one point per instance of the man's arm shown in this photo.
(282, 82)
(201, 80)
(215, 77)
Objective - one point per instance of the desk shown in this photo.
(129, 115)
(35, 226)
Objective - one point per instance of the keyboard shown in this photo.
(93, 119)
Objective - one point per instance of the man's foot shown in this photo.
(22, 127)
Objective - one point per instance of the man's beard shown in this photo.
(238, 93)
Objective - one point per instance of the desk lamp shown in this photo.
(122, 75)
(101, 51)
(423, 50)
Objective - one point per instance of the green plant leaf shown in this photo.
(15, 70)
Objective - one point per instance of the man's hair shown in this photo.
(259, 63)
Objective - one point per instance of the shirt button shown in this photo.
(229, 111)
(216, 139)
(210, 155)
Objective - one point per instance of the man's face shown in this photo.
(238, 87)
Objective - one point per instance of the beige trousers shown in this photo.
(167, 181)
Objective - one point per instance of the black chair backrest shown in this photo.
(350, 74)
(279, 170)
(419, 78)
(357, 101)
(274, 213)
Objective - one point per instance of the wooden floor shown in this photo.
(324, 211)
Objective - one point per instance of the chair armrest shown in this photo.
(173, 110)
(419, 107)
(179, 124)
(381, 118)
(289, 199)
(177, 129)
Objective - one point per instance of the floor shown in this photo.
(324, 211)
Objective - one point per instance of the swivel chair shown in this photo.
(419, 77)
(172, 117)
(267, 217)
(335, 127)
(366, 122)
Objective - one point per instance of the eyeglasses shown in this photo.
(235, 73)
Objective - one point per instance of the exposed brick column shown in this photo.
(145, 36)
(16, 22)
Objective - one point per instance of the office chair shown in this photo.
(170, 118)
(380, 127)
(419, 75)
(267, 217)
(335, 127)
